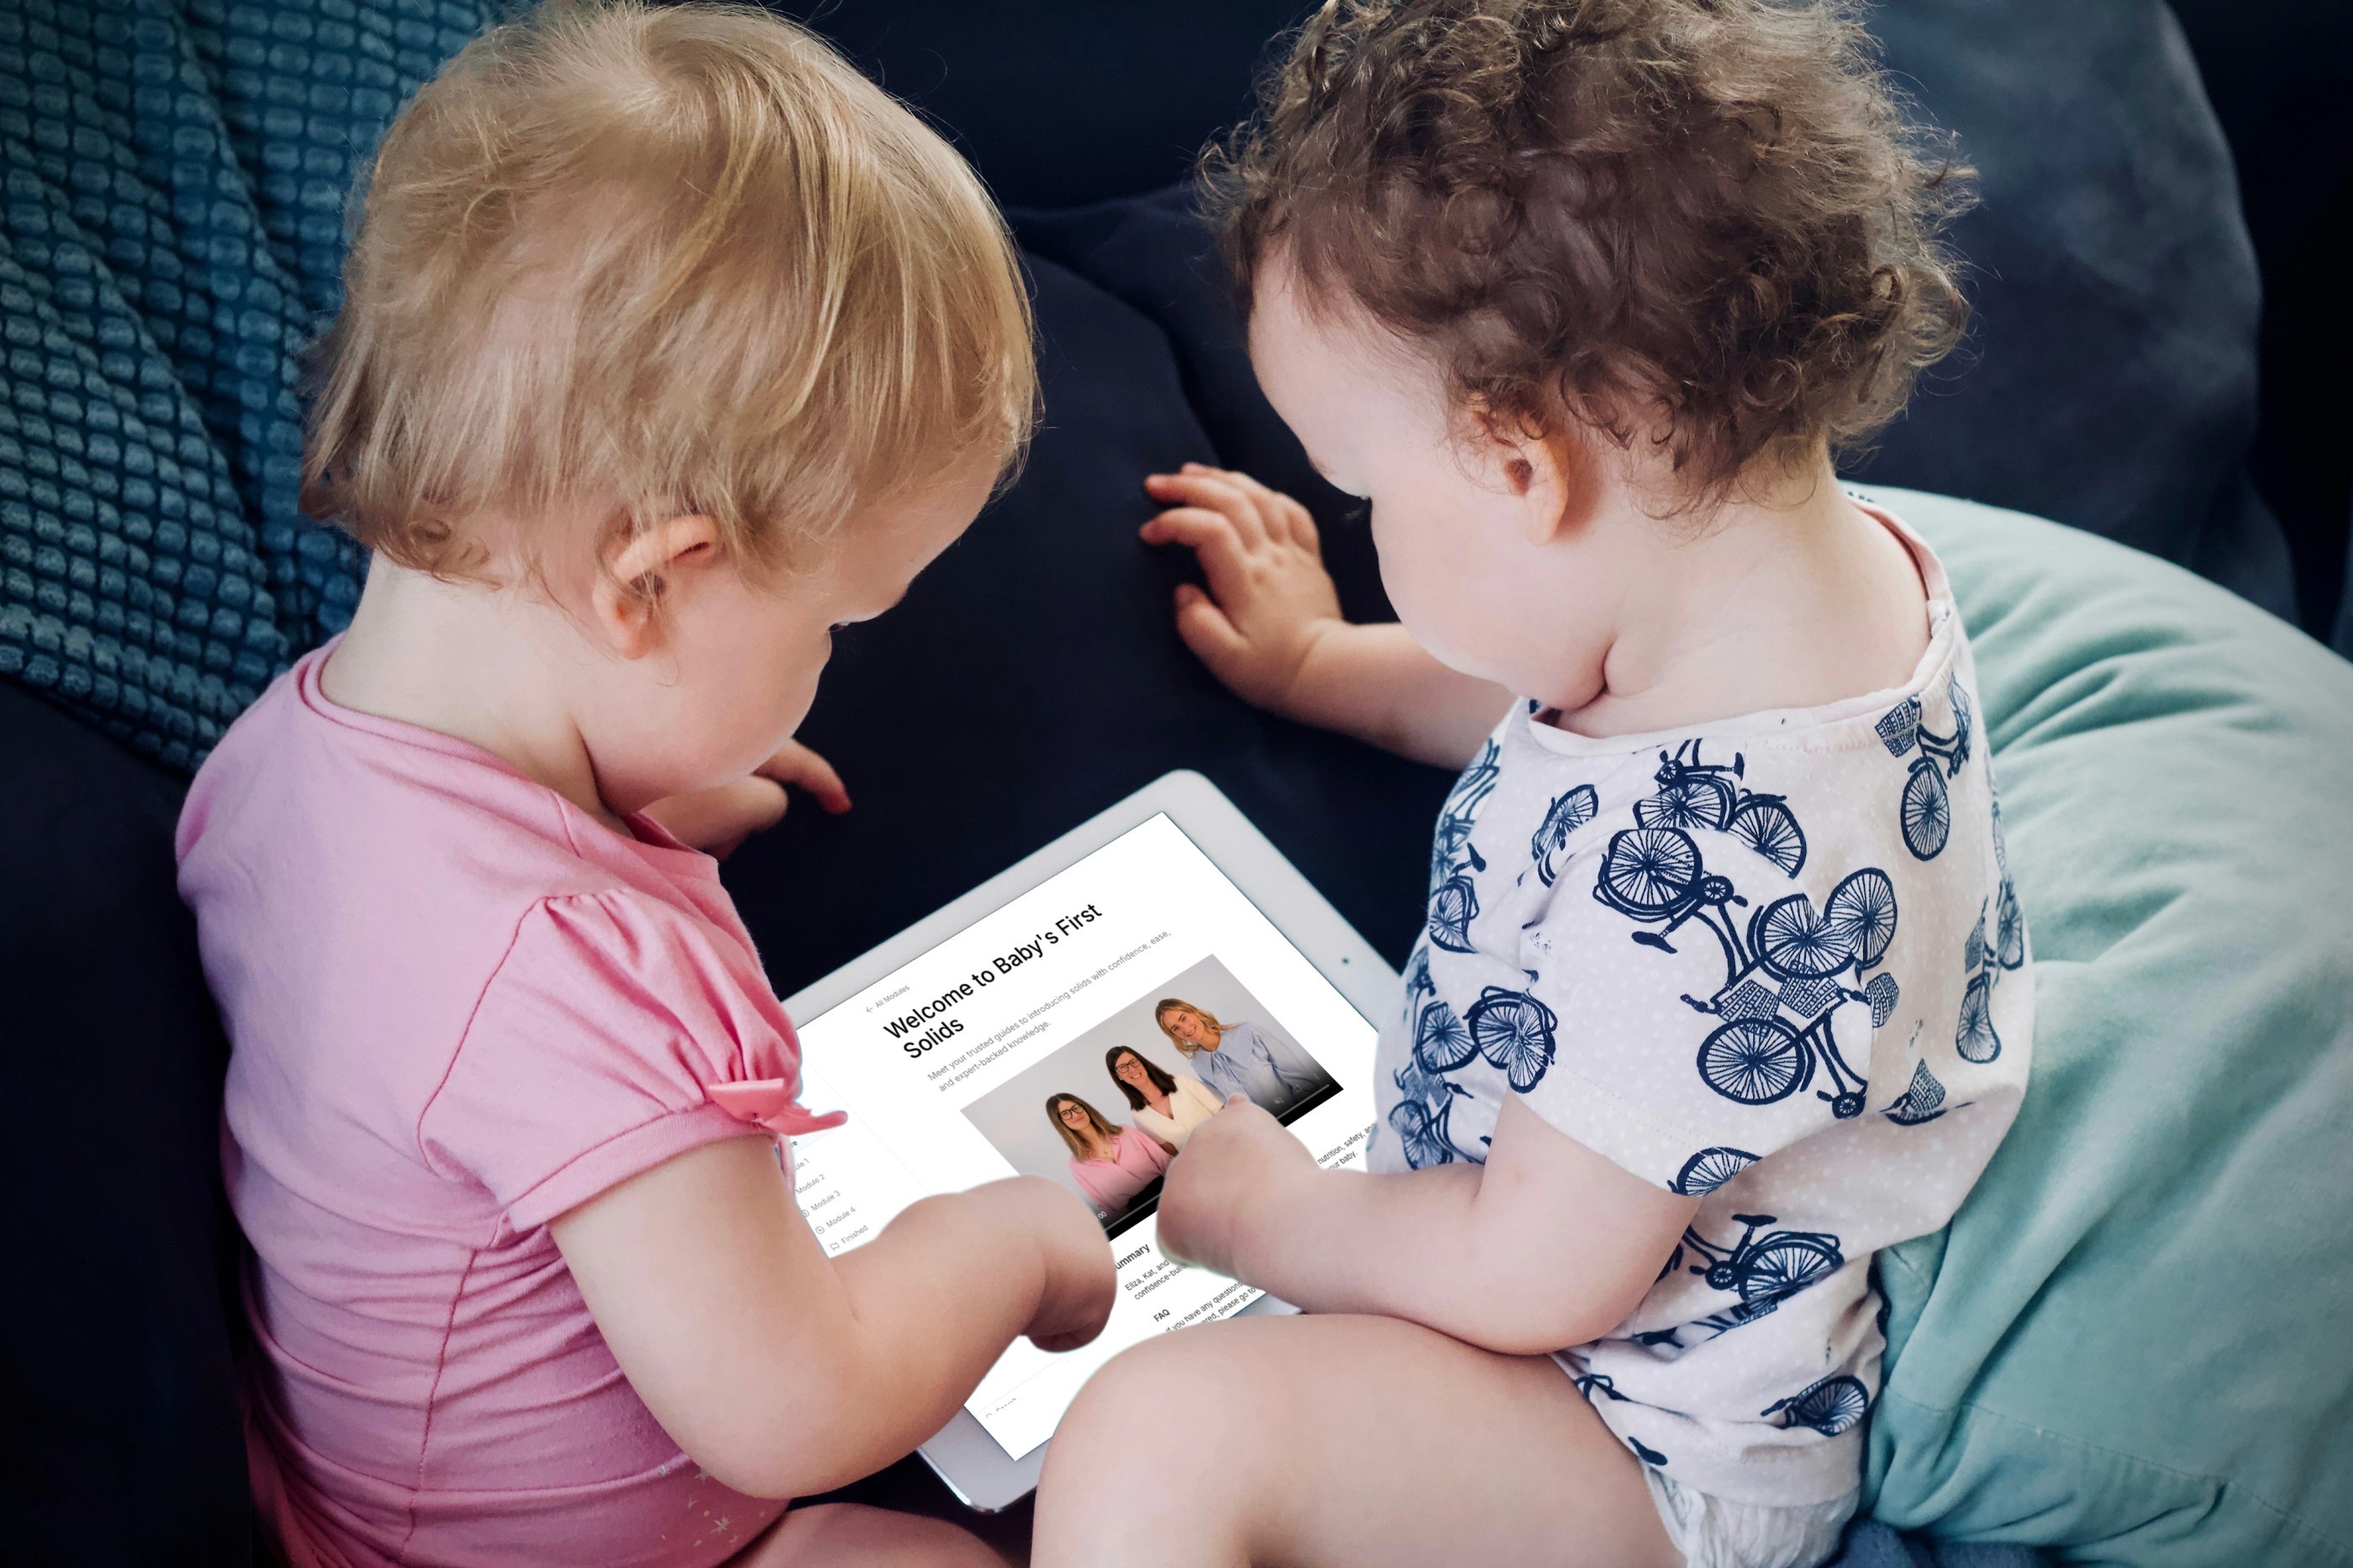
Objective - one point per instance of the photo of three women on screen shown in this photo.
(1113, 1163)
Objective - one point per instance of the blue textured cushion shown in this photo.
(171, 234)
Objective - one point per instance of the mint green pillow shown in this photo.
(2135, 1342)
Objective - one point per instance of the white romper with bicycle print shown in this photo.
(1775, 961)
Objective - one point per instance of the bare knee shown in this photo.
(1137, 1461)
(1176, 1405)
(850, 1535)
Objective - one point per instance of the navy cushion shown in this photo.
(2109, 379)
(118, 1429)
(1062, 101)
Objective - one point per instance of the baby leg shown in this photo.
(1338, 1440)
(852, 1535)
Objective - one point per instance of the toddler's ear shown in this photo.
(641, 571)
(1550, 475)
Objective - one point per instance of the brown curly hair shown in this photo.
(1703, 223)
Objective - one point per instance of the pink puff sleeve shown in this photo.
(617, 1033)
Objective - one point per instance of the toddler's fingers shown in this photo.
(796, 765)
(1302, 524)
(1286, 517)
(1218, 493)
(1205, 628)
(1210, 533)
(1216, 542)
(750, 805)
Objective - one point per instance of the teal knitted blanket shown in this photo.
(171, 237)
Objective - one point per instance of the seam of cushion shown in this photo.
(1970, 1407)
(2222, 1486)
(2303, 1527)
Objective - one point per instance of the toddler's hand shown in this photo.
(795, 764)
(1234, 1165)
(1269, 599)
(1080, 1280)
(716, 820)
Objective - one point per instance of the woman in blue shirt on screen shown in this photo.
(1240, 1059)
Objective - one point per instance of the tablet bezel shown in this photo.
(971, 1462)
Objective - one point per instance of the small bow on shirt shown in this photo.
(770, 1102)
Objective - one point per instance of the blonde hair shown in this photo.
(1080, 1149)
(684, 260)
(1160, 1016)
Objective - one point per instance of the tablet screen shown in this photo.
(1014, 1047)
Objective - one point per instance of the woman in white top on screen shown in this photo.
(1168, 1107)
(1238, 1059)
(1111, 1163)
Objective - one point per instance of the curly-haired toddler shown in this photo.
(1723, 985)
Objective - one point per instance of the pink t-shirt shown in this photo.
(458, 1006)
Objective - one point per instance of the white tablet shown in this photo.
(959, 1047)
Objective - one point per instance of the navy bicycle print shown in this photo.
(1570, 812)
(1831, 1406)
(1783, 975)
(1694, 794)
(1512, 1030)
(1419, 1119)
(1441, 1042)
(1925, 810)
(1923, 1100)
(1593, 1382)
(1983, 962)
(1453, 901)
(1763, 1270)
(1708, 1169)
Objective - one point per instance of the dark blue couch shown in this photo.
(2109, 383)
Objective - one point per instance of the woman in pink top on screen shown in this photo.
(1111, 1163)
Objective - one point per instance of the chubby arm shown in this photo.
(1270, 625)
(1546, 1246)
(784, 1372)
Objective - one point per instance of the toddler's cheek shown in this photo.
(1431, 606)
(1425, 568)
